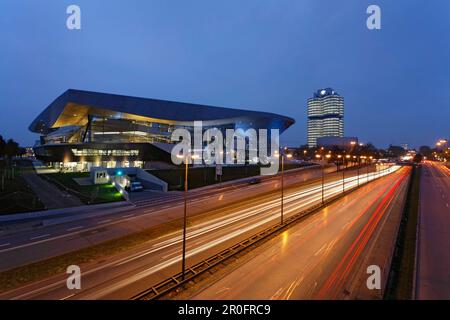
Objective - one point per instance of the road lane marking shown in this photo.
(4, 244)
(292, 288)
(276, 294)
(104, 221)
(345, 225)
(169, 255)
(41, 236)
(321, 249)
(223, 290)
(75, 228)
(128, 215)
(69, 296)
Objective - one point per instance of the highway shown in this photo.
(321, 256)
(123, 275)
(433, 261)
(65, 230)
(92, 225)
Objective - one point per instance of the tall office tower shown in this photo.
(325, 115)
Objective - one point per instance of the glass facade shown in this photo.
(82, 128)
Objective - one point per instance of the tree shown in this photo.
(418, 158)
(425, 151)
(396, 151)
(11, 149)
(2, 146)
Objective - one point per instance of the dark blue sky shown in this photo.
(251, 54)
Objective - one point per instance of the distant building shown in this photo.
(325, 115)
(405, 146)
(341, 142)
(29, 152)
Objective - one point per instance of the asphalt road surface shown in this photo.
(124, 275)
(318, 257)
(101, 223)
(433, 267)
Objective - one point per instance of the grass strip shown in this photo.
(88, 194)
(16, 195)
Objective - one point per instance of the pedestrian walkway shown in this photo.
(50, 195)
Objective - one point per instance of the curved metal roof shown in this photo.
(72, 107)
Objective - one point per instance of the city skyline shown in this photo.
(387, 77)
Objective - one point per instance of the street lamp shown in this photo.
(370, 163)
(282, 183)
(357, 172)
(363, 158)
(367, 168)
(318, 156)
(186, 161)
(343, 172)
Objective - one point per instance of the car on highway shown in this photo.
(135, 186)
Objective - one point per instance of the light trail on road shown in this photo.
(316, 258)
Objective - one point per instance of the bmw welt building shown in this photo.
(81, 129)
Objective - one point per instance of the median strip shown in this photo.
(40, 237)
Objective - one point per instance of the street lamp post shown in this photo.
(328, 156)
(339, 161)
(183, 260)
(282, 184)
(357, 173)
(343, 172)
(366, 160)
(186, 169)
(370, 158)
(323, 176)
